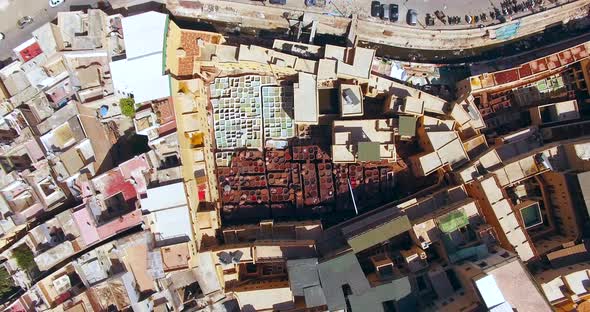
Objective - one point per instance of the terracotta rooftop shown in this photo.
(190, 43)
(164, 110)
(506, 76)
(185, 65)
(175, 257)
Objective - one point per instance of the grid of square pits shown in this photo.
(237, 111)
(244, 106)
(277, 108)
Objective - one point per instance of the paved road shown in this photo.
(249, 15)
(345, 8)
(12, 10)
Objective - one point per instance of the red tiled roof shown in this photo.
(164, 110)
(185, 65)
(30, 52)
(112, 183)
(538, 65)
(506, 76)
(189, 42)
(553, 61)
(566, 57)
(525, 70)
(579, 52)
(167, 128)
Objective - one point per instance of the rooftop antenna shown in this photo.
(352, 195)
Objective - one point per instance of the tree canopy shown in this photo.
(24, 258)
(6, 282)
(127, 107)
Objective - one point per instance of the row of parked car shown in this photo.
(390, 12)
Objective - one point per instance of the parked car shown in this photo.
(412, 17)
(384, 11)
(393, 12)
(441, 16)
(281, 2)
(54, 3)
(24, 21)
(375, 9)
(2, 36)
(316, 3)
(468, 19)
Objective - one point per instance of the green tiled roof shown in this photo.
(452, 221)
(368, 151)
(379, 234)
(407, 126)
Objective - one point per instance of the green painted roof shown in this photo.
(368, 151)
(531, 215)
(452, 221)
(407, 126)
(379, 234)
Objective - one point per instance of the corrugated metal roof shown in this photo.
(314, 296)
(379, 234)
(303, 273)
(336, 272)
(373, 299)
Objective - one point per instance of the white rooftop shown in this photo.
(305, 95)
(169, 211)
(93, 271)
(24, 45)
(164, 197)
(144, 34)
(141, 73)
(576, 282)
(489, 291)
(554, 289)
(174, 222)
(141, 77)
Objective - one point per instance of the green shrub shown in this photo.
(127, 107)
